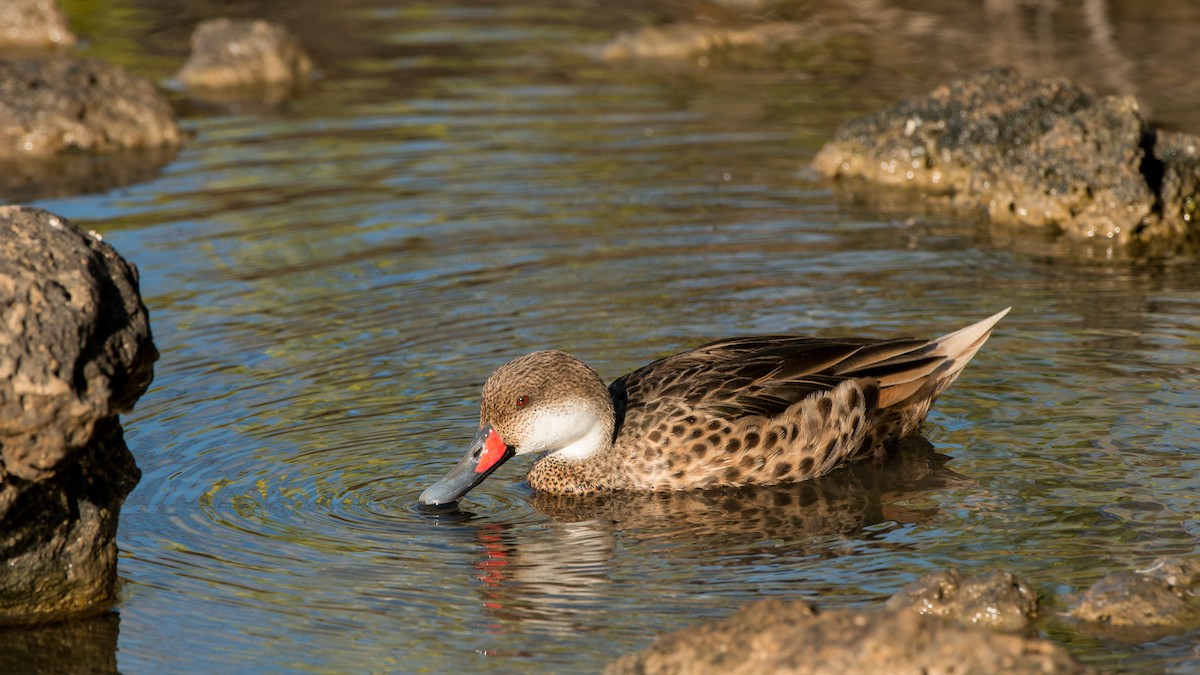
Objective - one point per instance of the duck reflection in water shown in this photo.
(557, 579)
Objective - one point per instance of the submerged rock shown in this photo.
(996, 600)
(682, 40)
(1160, 597)
(54, 106)
(29, 25)
(234, 60)
(776, 636)
(75, 351)
(1036, 152)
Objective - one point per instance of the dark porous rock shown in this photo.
(75, 351)
(33, 25)
(244, 59)
(54, 106)
(1037, 152)
(996, 600)
(1159, 599)
(1175, 168)
(775, 636)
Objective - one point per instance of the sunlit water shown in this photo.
(330, 284)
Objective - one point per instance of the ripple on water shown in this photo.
(330, 285)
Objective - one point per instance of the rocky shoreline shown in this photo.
(1043, 153)
(945, 622)
(75, 352)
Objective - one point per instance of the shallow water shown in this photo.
(330, 283)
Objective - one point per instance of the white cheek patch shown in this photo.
(556, 427)
(573, 432)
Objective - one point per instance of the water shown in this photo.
(330, 283)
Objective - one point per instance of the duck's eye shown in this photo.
(522, 401)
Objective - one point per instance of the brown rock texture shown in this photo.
(777, 636)
(53, 106)
(34, 25)
(1161, 596)
(228, 54)
(1036, 152)
(681, 40)
(75, 351)
(995, 600)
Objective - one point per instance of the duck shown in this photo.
(740, 411)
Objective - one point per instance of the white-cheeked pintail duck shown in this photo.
(739, 411)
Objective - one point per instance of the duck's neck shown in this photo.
(583, 460)
(586, 431)
(594, 442)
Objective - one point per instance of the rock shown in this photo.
(747, 5)
(34, 25)
(686, 39)
(1036, 152)
(75, 351)
(54, 106)
(776, 636)
(995, 600)
(244, 55)
(1156, 597)
(1175, 170)
(1178, 573)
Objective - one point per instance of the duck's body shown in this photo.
(740, 411)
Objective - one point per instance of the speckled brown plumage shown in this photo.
(740, 411)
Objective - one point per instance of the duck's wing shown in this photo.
(753, 376)
(765, 375)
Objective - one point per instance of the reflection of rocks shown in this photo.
(1141, 604)
(74, 174)
(776, 636)
(244, 60)
(82, 645)
(54, 106)
(75, 351)
(27, 25)
(1044, 153)
(997, 600)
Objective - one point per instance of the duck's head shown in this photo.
(547, 401)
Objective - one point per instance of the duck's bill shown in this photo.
(487, 452)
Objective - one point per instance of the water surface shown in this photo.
(330, 283)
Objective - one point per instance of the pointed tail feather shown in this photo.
(956, 349)
(959, 346)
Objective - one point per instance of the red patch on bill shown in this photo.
(494, 449)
